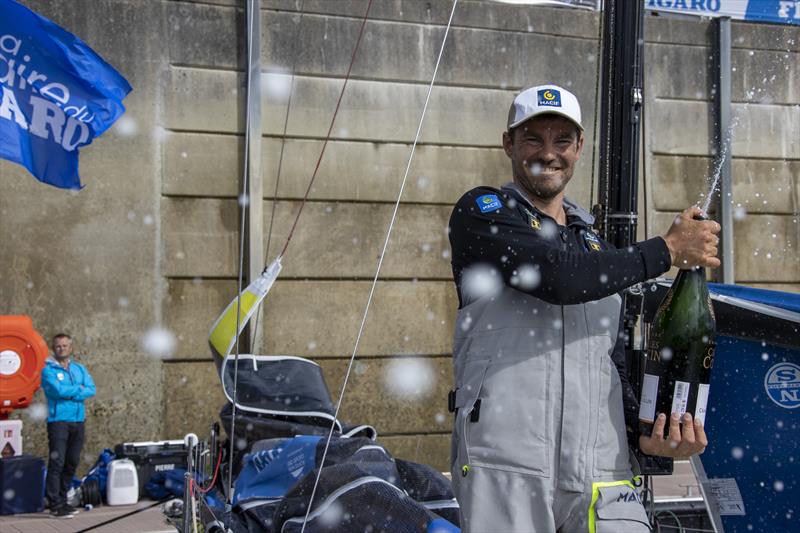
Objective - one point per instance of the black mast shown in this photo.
(621, 108)
(621, 103)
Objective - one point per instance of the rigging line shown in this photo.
(643, 142)
(608, 90)
(330, 129)
(280, 156)
(599, 60)
(378, 268)
(251, 21)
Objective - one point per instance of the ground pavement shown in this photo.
(148, 520)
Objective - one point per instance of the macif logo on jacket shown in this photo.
(56, 95)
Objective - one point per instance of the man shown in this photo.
(66, 384)
(539, 442)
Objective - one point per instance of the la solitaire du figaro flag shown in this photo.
(57, 95)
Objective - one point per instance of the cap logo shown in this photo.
(549, 97)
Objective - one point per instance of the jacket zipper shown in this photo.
(71, 381)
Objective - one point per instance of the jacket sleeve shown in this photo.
(57, 389)
(630, 399)
(503, 240)
(87, 388)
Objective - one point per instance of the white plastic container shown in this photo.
(122, 486)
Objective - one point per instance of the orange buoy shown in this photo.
(22, 355)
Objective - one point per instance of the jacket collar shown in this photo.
(575, 213)
(52, 362)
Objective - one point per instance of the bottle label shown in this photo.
(680, 397)
(702, 401)
(647, 404)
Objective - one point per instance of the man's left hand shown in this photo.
(680, 444)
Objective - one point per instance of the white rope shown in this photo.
(380, 264)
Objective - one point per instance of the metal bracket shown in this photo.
(632, 217)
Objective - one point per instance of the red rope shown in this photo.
(330, 129)
(204, 490)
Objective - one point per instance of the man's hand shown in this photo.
(679, 446)
(691, 242)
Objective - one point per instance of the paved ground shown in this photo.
(145, 521)
(681, 484)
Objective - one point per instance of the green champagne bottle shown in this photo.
(680, 352)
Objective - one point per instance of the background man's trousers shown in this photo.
(65, 440)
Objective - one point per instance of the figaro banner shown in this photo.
(57, 95)
(774, 11)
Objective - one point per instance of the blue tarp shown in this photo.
(784, 300)
(271, 473)
(753, 421)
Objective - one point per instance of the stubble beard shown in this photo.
(529, 183)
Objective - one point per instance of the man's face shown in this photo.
(62, 348)
(543, 154)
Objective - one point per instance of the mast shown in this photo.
(621, 108)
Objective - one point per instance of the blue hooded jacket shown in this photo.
(66, 389)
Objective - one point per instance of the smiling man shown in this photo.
(544, 410)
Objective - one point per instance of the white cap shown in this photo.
(544, 99)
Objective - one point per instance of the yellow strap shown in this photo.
(596, 494)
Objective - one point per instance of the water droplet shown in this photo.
(158, 342)
(527, 277)
(36, 411)
(409, 377)
(276, 85)
(126, 126)
(479, 281)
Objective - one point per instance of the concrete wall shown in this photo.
(153, 238)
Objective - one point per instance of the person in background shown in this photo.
(67, 384)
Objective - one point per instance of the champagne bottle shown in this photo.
(680, 352)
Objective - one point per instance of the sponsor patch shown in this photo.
(549, 97)
(592, 241)
(60, 376)
(782, 384)
(488, 203)
(533, 219)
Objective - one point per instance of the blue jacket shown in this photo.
(66, 389)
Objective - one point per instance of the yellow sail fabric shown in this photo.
(223, 333)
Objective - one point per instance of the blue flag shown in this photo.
(57, 95)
